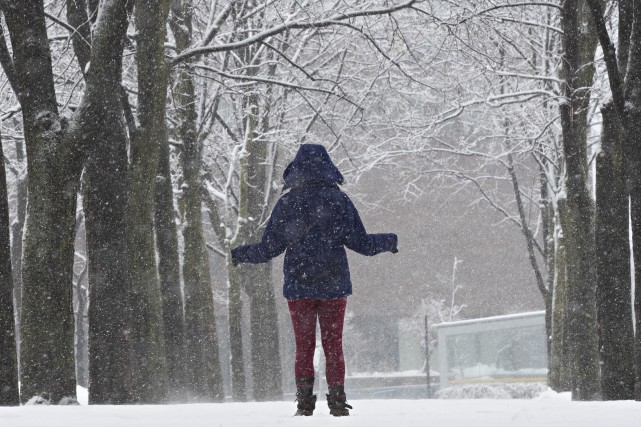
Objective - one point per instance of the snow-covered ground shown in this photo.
(549, 410)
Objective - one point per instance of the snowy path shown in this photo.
(543, 412)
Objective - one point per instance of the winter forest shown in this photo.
(144, 139)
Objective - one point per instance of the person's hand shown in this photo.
(234, 260)
(395, 245)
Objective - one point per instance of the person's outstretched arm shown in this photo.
(271, 245)
(358, 240)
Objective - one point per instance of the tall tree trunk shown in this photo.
(150, 366)
(548, 221)
(580, 298)
(635, 216)
(102, 129)
(82, 316)
(614, 304)
(81, 308)
(105, 211)
(205, 376)
(256, 279)
(578, 230)
(632, 96)
(169, 273)
(624, 75)
(560, 375)
(47, 347)
(265, 337)
(17, 231)
(9, 394)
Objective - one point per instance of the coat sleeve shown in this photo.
(271, 245)
(357, 239)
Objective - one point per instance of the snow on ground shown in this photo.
(549, 410)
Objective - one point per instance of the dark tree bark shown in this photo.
(624, 72)
(632, 118)
(169, 274)
(9, 395)
(614, 305)
(47, 350)
(150, 366)
(105, 137)
(578, 53)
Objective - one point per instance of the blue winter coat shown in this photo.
(314, 222)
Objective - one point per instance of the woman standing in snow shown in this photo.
(314, 221)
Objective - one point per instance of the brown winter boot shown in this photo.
(336, 400)
(304, 397)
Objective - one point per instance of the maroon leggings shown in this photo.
(330, 314)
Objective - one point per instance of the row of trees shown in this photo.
(214, 86)
(547, 112)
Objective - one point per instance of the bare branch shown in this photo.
(7, 63)
(257, 79)
(263, 35)
(511, 5)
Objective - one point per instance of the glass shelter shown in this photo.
(509, 348)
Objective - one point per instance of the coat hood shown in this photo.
(311, 164)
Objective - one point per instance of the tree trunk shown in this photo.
(169, 273)
(9, 395)
(47, 347)
(205, 376)
(578, 233)
(105, 217)
(103, 133)
(47, 351)
(255, 197)
(17, 231)
(82, 302)
(632, 96)
(614, 305)
(265, 342)
(560, 376)
(578, 230)
(235, 307)
(627, 100)
(150, 367)
(548, 220)
(635, 215)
